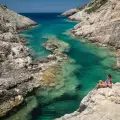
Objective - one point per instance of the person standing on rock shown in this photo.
(107, 83)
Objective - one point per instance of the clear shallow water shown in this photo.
(91, 64)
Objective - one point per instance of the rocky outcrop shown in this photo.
(70, 12)
(15, 77)
(99, 22)
(20, 73)
(9, 104)
(101, 104)
(55, 45)
(13, 20)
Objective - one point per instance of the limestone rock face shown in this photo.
(20, 73)
(70, 12)
(101, 104)
(15, 78)
(14, 20)
(10, 104)
(99, 22)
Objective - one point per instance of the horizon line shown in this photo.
(40, 12)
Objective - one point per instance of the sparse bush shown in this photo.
(95, 6)
(4, 7)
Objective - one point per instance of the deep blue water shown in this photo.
(91, 64)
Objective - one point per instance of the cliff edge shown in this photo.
(99, 22)
(101, 104)
(17, 21)
(20, 73)
(15, 78)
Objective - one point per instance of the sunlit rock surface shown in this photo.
(101, 104)
(19, 73)
(99, 22)
(70, 12)
(14, 21)
(15, 79)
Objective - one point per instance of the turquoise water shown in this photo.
(91, 64)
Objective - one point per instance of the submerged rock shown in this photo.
(55, 45)
(10, 104)
(20, 73)
(99, 104)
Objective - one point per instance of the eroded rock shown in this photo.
(70, 12)
(99, 22)
(99, 104)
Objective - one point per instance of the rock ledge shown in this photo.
(101, 104)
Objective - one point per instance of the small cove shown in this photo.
(91, 63)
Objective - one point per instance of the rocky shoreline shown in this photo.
(91, 106)
(99, 23)
(20, 73)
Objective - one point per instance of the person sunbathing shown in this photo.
(107, 83)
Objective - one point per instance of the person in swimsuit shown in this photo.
(107, 83)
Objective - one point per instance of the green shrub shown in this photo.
(4, 7)
(95, 6)
(93, 9)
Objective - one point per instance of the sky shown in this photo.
(42, 5)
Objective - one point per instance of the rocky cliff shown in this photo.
(101, 104)
(70, 12)
(16, 21)
(99, 22)
(15, 79)
(19, 72)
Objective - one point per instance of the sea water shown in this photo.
(91, 64)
